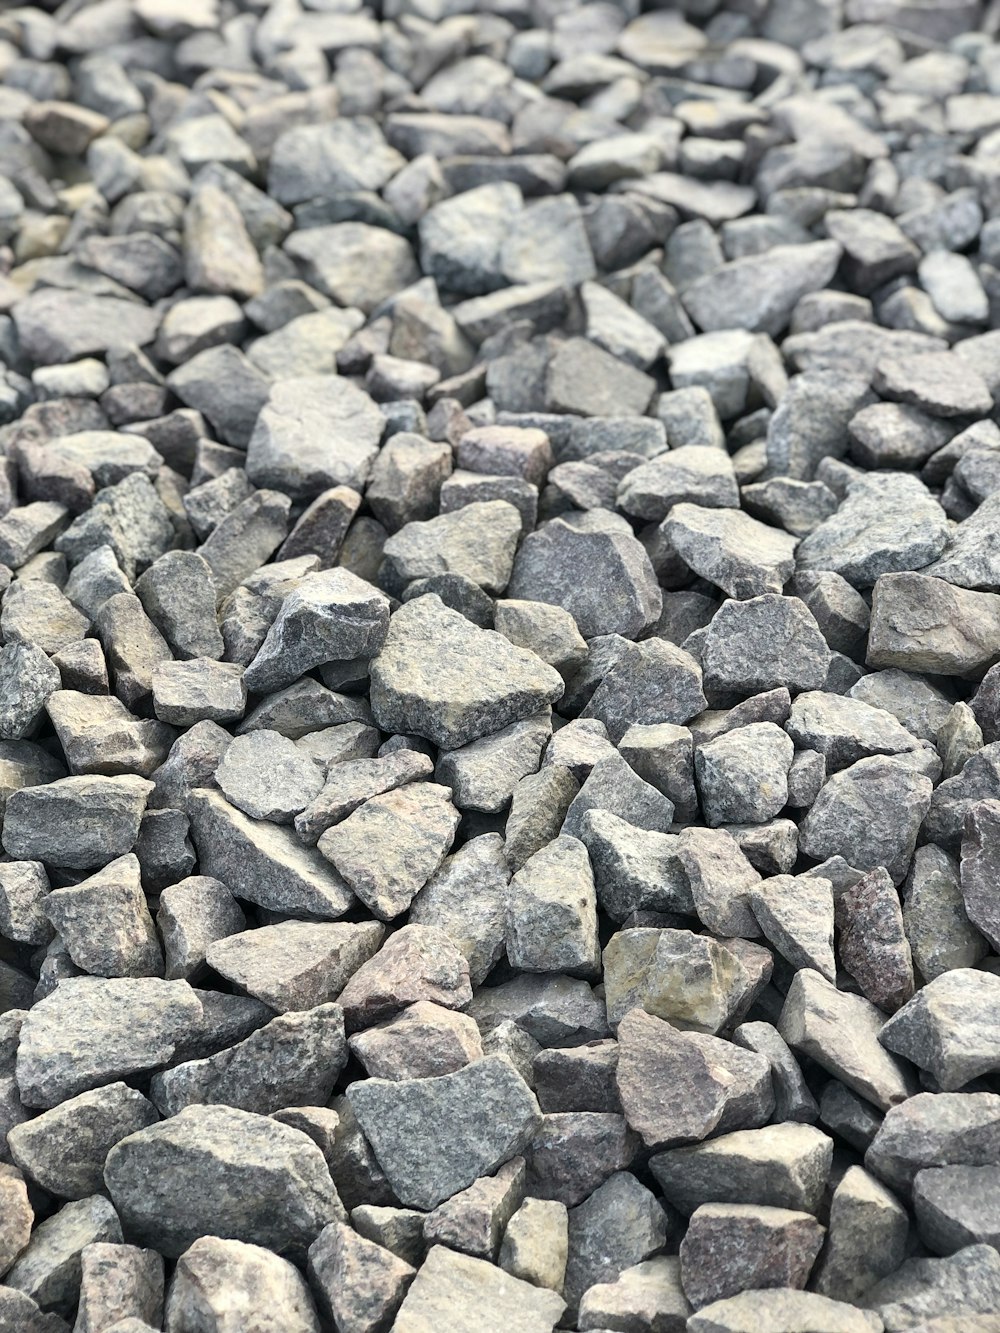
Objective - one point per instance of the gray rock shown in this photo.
(448, 1282)
(477, 541)
(434, 1137)
(663, 755)
(412, 827)
(970, 561)
(178, 594)
(423, 1041)
(219, 1169)
(840, 1031)
(198, 690)
(956, 1207)
(619, 594)
(358, 1284)
(294, 1060)
(49, 1268)
(654, 1062)
(762, 643)
(213, 1276)
(267, 776)
(938, 929)
(223, 385)
(57, 326)
(484, 773)
(473, 1220)
(104, 922)
(940, 383)
(575, 1152)
(63, 1150)
(263, 863)
(925, 624)
(294, 965)
(353, 263)
(314, 432)
(417, 963)
(729, 1247)
(888, 523)
(844, 729)
(690, 980)
(90, 1031)
(796, 915)
(473, 683)
(635, 870)
(779, 1166)
(792, 1311)
(467, 899)
(948, 1027)
(737, 553)
(849, 817)
(620, 1225)
(761, 291)
(318, 161)
(866, 1237)
(27, 680)
(934, 1129)
(792, 1098)
(329, 615)
(895, 435)
(246, 538)
(78, 822)
(743, 775)
(24, 886)
(651, 682)
(552, 912)
(922, 1289)
(690, 474)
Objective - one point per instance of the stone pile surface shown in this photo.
(500, 666)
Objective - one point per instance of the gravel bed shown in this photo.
(500, 666)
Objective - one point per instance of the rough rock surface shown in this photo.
(499, 666)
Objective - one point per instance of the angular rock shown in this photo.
(840, 1032)
(472, 682)
(294, 1060)
(216, 1280)
(294, 965)
(434, 1137)
(387, 850)
(742, 556)
(729, 1247)
(219, 1169)
(778, 1166)
(90, 1031)
(63, 1150)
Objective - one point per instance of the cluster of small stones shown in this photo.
(500, 667)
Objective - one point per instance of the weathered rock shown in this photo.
(358, 1284)
(218, 1168)
(387, 850)
(434, 1137)
(441, 677)
(729, 1247)
(90, 1031)
(448, 1282)
(217, 1280)
(840, 1032)
(295, 965)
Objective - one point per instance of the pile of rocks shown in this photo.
(500, 668)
